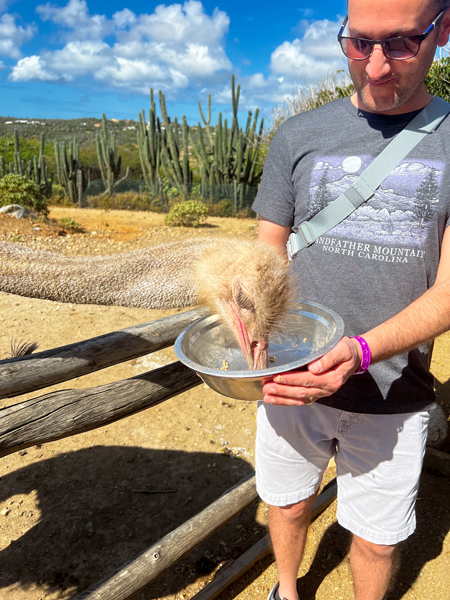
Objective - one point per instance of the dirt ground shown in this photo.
(74, 510)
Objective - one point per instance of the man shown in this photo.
(386, 270)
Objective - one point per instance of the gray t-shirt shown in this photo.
(384, 255)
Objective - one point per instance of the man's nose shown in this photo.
(378, 66)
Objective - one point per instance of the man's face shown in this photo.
(393, 86)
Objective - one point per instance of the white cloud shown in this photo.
(307, 13)
(313, 56)
(72, 15)
(176, 45)
(77, 59)
(31, 67)
(257, 81)
(74, 60)
(124, 18)
(125, 72)
(75, 16)
(12, 36)
(184, 24)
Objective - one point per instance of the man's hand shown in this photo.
(323, 377)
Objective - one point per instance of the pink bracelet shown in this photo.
(366, 356)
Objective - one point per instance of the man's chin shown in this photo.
(380, 105)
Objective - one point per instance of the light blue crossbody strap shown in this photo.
(372, 177)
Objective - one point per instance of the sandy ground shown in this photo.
(74, 510)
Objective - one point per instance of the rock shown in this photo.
(437, 428)
(15, 209)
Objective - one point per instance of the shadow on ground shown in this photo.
(102, 506)
(443, 398)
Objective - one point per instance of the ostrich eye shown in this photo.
(241, 296)
(244, 301)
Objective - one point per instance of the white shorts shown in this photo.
(378, 462)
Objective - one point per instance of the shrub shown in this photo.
(246, 213)
(438, 78)
(332, 87)
(72, 225)
(122, 201)
(170, 191)
(15, 189)
(196, 191)
(223, 208)
(58, 197)
(186, 214)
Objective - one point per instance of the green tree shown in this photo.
(28, 148)
(322, 196)
(427, 195)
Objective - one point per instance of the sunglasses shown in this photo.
(394, 48)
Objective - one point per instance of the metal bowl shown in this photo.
(308, 332)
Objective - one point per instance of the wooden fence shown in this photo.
(64, 413)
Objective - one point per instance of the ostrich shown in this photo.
(247, 283)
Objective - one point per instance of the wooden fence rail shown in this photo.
(68, 412)
(36, 371)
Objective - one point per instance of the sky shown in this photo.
(82, 58)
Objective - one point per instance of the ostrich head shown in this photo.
(248, 285)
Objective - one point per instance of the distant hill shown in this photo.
(63, 130)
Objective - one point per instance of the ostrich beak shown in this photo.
(254, 351)
(260, 355)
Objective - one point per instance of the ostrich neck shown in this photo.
(157, 277)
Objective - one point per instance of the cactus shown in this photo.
(149, 144)
(175, 152)
(207, 122)
(69, 169)
(37, 171)
(19, 163)
(108, 159)
(231, 166)
(2, 167)
(227, 159)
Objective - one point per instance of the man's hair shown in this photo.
(440, 4)
(437, 4)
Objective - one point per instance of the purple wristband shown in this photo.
(366, 356)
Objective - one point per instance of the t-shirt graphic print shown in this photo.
(392, 226)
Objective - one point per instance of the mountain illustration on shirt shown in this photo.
(399, 213)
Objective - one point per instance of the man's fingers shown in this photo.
(341, 353)
(283, 401)
(323, 377)
(281, 394)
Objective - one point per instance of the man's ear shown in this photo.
(444, 29)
